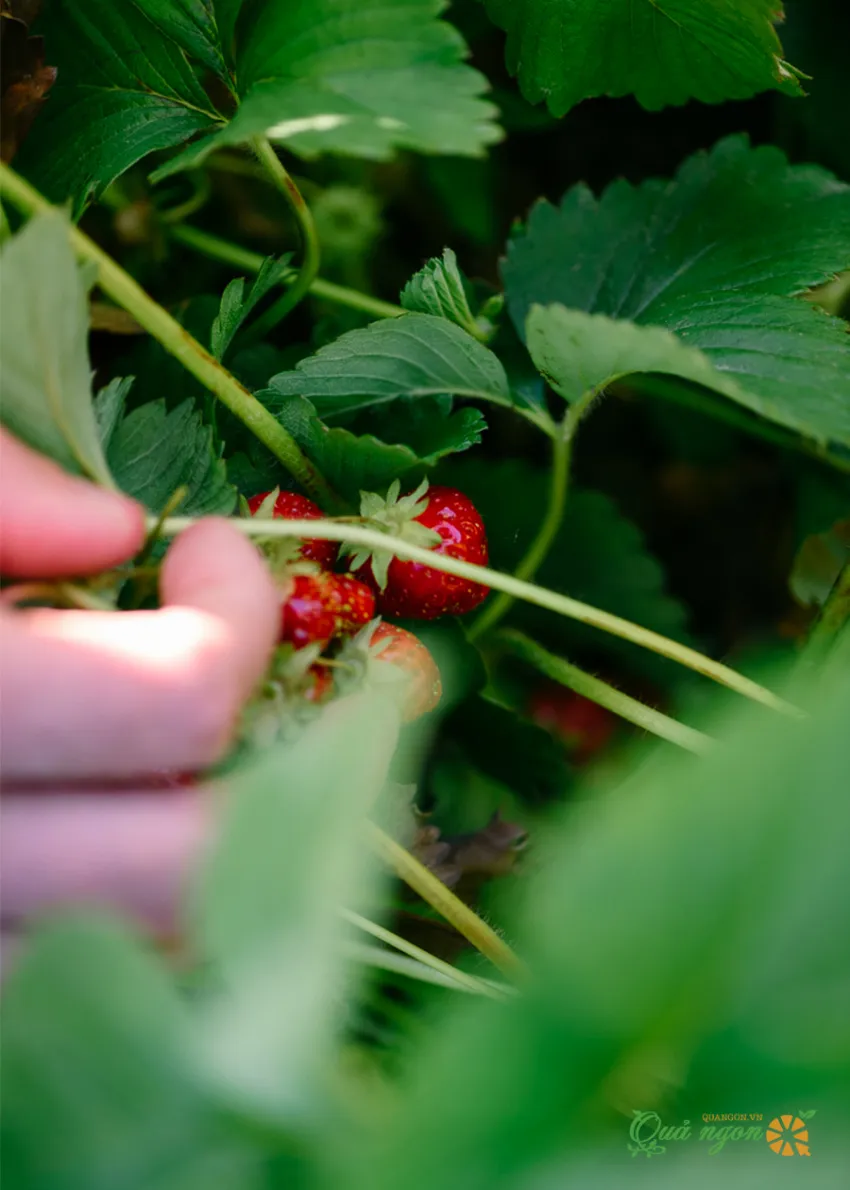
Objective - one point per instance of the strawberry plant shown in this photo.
(513, 338)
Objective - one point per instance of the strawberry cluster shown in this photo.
(329, 625)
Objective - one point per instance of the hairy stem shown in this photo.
(471, 983)
(465, 921)
(605, 695)
(124, 290)
(563, 605)
(562, 449)
(251, 262)
(309, 243)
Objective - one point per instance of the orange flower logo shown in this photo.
(788, 1135)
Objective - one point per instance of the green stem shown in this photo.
(251, 262)
(606, 696)
(461, 979)
(562, 449)
(124, 290)
(399, 964)
(541, 597)
(496, 608)
(834, 615)
(483, 937)
(309, 243)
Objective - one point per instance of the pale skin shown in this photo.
(93, 704)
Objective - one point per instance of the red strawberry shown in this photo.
(401, 648)
(319, 606)
(584, 726)
(289, 506)
(442, 518)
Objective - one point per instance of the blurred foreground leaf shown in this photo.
(45, 375)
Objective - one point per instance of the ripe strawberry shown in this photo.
(442, 518)
(289, 506)
(584, 726)
(318, 606)
(399, 647)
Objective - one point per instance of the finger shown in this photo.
(55, 525)
(216, 570)
(105, 695)
(131, 850)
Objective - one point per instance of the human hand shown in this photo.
(92, 701)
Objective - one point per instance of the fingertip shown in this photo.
(212, 567)
(59, 525)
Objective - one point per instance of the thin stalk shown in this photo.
(469, 983)
(562, 453)
(563, 605)
(835, 613)
(408, 868)
(309, 243)
(124, 290)
(606, 696)
(243, 258)
(399, 964)
(495, 609)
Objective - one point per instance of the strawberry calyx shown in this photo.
(394, 515)
(282, 553)
(385, 655)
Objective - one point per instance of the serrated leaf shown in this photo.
(661, 51)
(578, 353)
(109, 407)
(193, 25)
(438, 289)
(236, 304)
(124, 89)
(361, 80)
(416, 355)
(715, 256)
(267, 906)
(153, 452)
(45, 375)
(352, 462)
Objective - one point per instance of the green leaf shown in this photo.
(598, 556)
(193, 25)
(715, 256)
(416, 355)
(438, 288)
(352, 463)
(236, 304)
(362, 80)
(152, 452)
(124, 89)
(45, 376)
(267, 907)
(96, 1067)
(689, 943)
(577, 353)
(661, 51)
